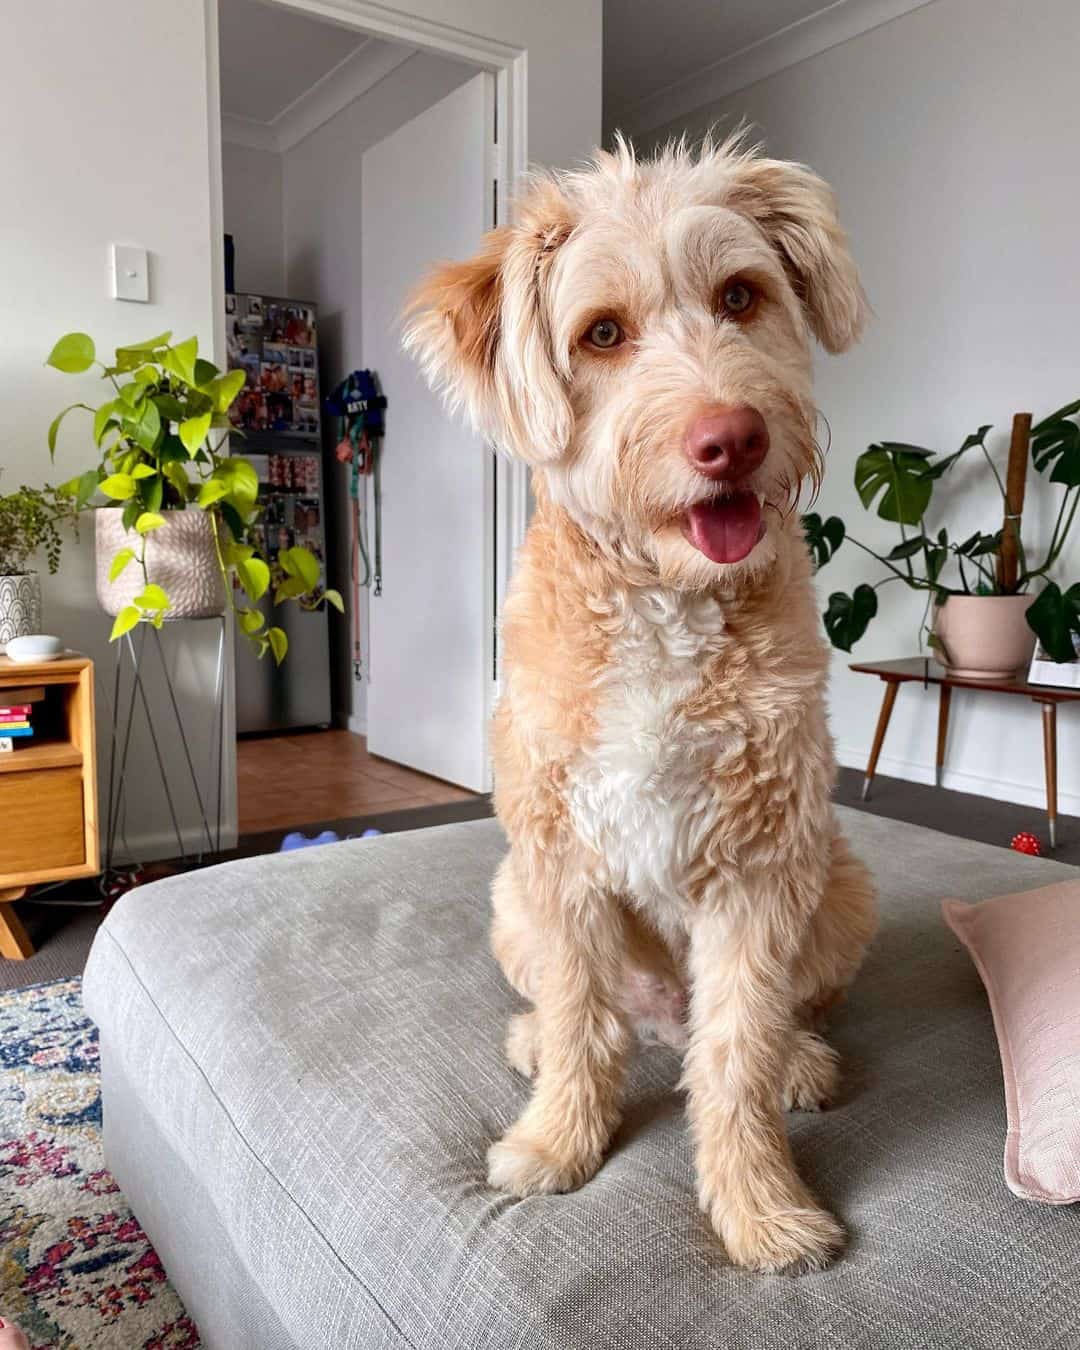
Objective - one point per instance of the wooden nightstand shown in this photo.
(48, 790)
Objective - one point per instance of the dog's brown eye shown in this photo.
(606, 333)
(738, 298)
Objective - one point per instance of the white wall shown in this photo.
(322, 192)
(563, 42)
(107, 110)
(252, 182)
(950, 136)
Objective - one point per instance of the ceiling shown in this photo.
(273, 61)
(649, 46)
(281, 71)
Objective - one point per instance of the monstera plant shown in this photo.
(161, 438)
(898, 483)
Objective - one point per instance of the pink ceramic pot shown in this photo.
(985, 636)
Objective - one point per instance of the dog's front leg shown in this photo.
(560, 1139)
(741, 1028)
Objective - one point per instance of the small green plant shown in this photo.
(160, 438)
(897, 481)
(30, 522)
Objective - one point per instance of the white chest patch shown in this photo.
(638, 793)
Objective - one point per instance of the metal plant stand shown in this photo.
(131, 651)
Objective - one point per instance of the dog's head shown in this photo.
(640, 337)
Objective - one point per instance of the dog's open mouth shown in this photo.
(727, 528)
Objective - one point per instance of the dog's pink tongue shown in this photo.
(726, 529)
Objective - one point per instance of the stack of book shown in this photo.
(16, 723)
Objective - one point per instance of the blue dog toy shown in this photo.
(297, 840)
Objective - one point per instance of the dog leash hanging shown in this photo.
(359, 405)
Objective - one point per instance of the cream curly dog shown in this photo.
(662, 761)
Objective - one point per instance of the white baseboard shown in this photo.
(1001, 789)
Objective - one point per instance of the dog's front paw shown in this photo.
(812, 1074)
(523, 1165)
(796, 1240)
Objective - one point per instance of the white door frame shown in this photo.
(510, 67)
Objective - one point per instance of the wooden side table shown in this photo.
(919, 670)
(48, 790)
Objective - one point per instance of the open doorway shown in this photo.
(349, 162)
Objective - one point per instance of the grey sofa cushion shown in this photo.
(303, 1068)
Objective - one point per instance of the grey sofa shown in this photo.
(302, 1069)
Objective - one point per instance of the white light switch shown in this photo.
(130, 273)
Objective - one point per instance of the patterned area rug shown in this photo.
(76, 1270)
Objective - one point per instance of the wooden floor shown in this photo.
(289, 781)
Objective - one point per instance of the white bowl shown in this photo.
(24, 651)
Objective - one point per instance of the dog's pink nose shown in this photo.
(727, 442)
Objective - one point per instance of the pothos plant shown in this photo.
(161, 438)
(897, 481)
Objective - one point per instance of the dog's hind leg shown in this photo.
(523, 1042)
(812, 1072)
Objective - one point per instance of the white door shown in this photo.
(428, 196)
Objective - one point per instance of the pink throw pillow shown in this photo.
(1027, 951)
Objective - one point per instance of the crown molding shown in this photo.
(246, 131)
(828, 27)
(360, 71)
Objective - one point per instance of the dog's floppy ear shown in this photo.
(481, 333)
(797, 212)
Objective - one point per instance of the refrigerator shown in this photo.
(274, 340)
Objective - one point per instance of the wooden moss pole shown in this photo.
(1015, 483)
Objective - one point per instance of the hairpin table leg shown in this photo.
(1049, 719)
(944, 699)
(891, 686)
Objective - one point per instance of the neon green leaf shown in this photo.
(150, 345)
(149, 520)
(290, 588)
(279, 644)
(334, 598)
(119, 486)
(143, 471)
(242, 481)
(152, 597)
(126, 620)
(102, 418)
(54, 425)
(72, 354)
(302, 563)
(234, 553)
(121, 560)
(193, 432)
(183, 359)
(225, 389)
(211, 491)
(254, 577)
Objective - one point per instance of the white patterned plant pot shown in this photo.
(20, 606)
(180, 558)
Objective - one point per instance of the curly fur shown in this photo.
(662, 762)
